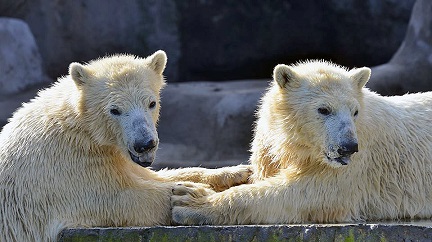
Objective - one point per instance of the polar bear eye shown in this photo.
(115, 111)
(152, 104)
(324, 111)
(356, 113)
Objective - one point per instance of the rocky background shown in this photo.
(220, 55)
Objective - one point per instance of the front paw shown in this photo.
(194, 190)
(189, 216)
(188, 203)
(227, 177)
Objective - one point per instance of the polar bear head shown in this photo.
(320, 103)
(119, 102)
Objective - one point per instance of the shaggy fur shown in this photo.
(301, 173)
(65, 156)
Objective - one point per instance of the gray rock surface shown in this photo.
(410, 69)
(215, 39)
(206, 122)
(82, 30)
(246, 39)
(9, 103)
(312, 232)
(20, 61)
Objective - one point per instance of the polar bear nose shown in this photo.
(141, 147)
(348, 149)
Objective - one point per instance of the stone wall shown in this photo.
(263, 233)
(21, 70)
(410, 68)
(215, 39)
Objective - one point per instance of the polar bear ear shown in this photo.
(157, 61)
(284, 75)
(79, 73)
(360, 76)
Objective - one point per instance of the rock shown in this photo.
(240, 40)
(81, 30)
(410, 69)
(414, 231)
(9, 103)
(20, 61)
(206, 121)
(215, 39)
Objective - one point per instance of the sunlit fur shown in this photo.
(64, 158)
(390, 177)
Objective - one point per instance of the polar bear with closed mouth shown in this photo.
(327, 149)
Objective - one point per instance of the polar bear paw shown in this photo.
(188, 203)
(226, 177)
(195, 190)
(189, 216)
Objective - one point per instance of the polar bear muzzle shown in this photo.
(143, 152)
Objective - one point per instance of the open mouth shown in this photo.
(141, 160)
(343, 160)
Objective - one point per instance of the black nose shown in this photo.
(141, 147)
(348, 149)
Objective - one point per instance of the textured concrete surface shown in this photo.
(341, 232)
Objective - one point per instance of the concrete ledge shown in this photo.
(312, 232)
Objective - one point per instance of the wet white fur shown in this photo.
(64, 158)
(389, 178)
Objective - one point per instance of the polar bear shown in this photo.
(73, 156)
(327, 149)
